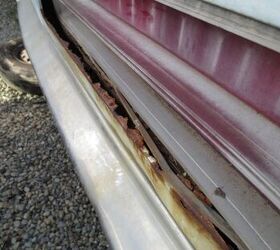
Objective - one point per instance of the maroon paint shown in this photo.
(249, 71)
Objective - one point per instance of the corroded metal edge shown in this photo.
(257, 225)
(188, 221)
(220, 117)
(129, 209)
(199, 231)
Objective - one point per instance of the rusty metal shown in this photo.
(220, 100)
(215, 218)
(210, 216)
(159, 164)
(243, 207)
(102, 161)
(161, 167)
(197, 227)
(78, 87)
(188, 214)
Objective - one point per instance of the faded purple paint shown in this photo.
(249, 71)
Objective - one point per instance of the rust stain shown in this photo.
(109, 101)
(186, 182)
(132, 133)
(203, 224)
(122, 121)
(156, 173)
(136, 137)
(198, 229)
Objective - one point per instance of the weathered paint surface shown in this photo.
(225, 86)
(248, 70)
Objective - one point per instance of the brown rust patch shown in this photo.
(156, 173)
(132, 133)
(122, 121)
(201, 196)
(186, 182)
(136, 137)
(198, 228)
(109, 100)
(203, 224)
(178, 169)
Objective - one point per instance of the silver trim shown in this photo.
(263, 11)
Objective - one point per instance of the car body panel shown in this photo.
(180, 102)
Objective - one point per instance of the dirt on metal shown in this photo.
(197, 227)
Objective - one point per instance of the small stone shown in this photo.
(20, 207)
(16, 223)
(47, 213)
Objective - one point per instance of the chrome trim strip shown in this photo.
(248, 212)
(130, 211)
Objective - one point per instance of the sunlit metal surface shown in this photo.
(248, 212)
(130, 211)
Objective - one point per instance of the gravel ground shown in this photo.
(42, 203)
(9, 27)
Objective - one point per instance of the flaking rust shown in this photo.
(197, 227)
